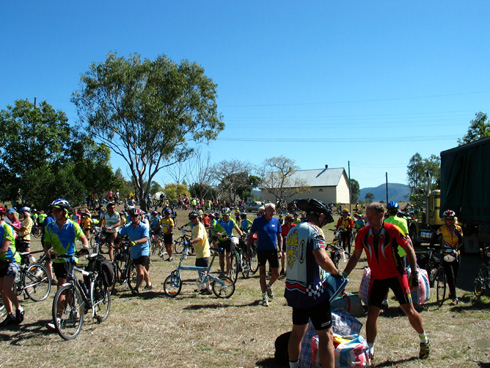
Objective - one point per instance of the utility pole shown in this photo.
(350, 196)
(386, 188)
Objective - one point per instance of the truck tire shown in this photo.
(413, 235)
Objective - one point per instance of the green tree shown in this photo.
(42, 157)
(355, 191)
(421, 170)
(479, 128)
(369, 197)
(148, 111)
(155, 188)
(173, 190)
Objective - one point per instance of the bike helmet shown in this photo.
(392, 205)
(110, 204)
(3, 211)
(193, 215)
(216, 214)
(167, 210)
(243, 215)
(60, 203)
(10, 211)
(449, 213)
(133, 212)
(289, 218)
(315, 206)
(226, 211)
(345, 210)
(25, 209)
(154, 213)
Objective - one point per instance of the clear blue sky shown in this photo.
(321, 82)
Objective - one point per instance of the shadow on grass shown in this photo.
(213, 306)
(27, 331)
(271, 363)
(391, 363)
(482, 365)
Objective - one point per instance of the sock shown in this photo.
(423, 338)
(293, 364)
(371, 348)
(264, 295)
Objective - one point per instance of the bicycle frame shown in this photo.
(72, 280)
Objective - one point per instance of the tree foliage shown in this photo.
(42, 157)
(278, 178)
(173, 190)
(479, 128)
(148, 111)
(355, 191)
(369, 197)
(419, 170)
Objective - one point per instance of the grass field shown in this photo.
(192, 330)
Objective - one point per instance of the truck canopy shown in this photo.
(465, 181)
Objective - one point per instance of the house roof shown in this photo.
(319, 177)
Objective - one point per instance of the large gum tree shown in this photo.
(148, 111)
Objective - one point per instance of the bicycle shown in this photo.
(223, 286)
(239, 261)
(157, 246)
(32, 280)
(124, 267)
(75, 298)
(337, 251)
(441, 277)
(179, 244)
(36, 230)
(482, 278)
(98, 241)
(254, 260)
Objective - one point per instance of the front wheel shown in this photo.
(37, 283)
(179, 246)
(234, 267)
(245, 266)
(68, 309)
(172, 285)
(131, 276)
(440, 286)
(102, 300)
(223, 288)
(481, 280)
(254, 261)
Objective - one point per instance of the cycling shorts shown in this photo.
(319, 314)
(60, 270)
(168, 238)
(110, 237)
(268, 255)
(143, 260)
(8, 269)
(226, 245)
(202, 262)
(378, 290)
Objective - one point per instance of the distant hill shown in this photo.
(396, 192)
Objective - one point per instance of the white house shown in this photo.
(328, 185)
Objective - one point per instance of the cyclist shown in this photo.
(346, 224)
(199, 240)
(224, 232)
(245, 224)
(359, 223)
(307, 263)
(288, 225)
(86, 223)
(269, 248)
(9, 267)
(23, 243)
(296, 219)
(393, 218)
(139, 235)
(168, 224)
(452, 241)
(111, 221)
(380, 241)
(59, 239)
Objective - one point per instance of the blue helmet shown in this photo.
(25, 209)
(392, 205)
(167, 210)
(61, 203)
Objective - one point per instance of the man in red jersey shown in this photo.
(380, 241)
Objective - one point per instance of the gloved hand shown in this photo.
(413, 280)
(187, 243)
(133, 243)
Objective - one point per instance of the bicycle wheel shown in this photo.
(154, 245)
(234, 267)
(172, 285)
(254, 261)
(481, 280)
(102, 300)
(36, 282)
(226, 290)
(68, 310)
(245, 267)
(441, 286)
(3, 311)
(131, 276)
(179, 246)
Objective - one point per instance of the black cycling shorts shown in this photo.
(143, 260)
(319, 314)
(268, 255)
(378, 290)
(60, 270)
(168, 238)
(202, 262)
(226, 245)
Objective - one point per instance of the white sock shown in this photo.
(293, 364)
(371, 348)
(423, 338)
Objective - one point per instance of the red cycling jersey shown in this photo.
(382, 250)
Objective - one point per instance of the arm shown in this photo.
(324, 261)
(354, 258)
(5, 246)
(279, 244)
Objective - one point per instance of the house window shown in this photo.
(320, 190)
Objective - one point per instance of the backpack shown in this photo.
(281, 344)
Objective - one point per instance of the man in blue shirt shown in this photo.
(139, 235)
(269, 248)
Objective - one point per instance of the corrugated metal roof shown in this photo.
(319, 177)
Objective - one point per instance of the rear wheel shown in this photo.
(226, 290)
(68, 309)
(37, 282)
(179, 246)
(102, 300)
(481, 280)
(172, 285)
(254, 261)
(131, 276)
(234, 267)
(441, 286)
(245, 266)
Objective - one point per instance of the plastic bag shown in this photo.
(350, 351)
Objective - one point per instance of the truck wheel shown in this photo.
(413, 236)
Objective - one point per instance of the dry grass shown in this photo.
(191, 330)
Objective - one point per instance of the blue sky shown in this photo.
(320, 82)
